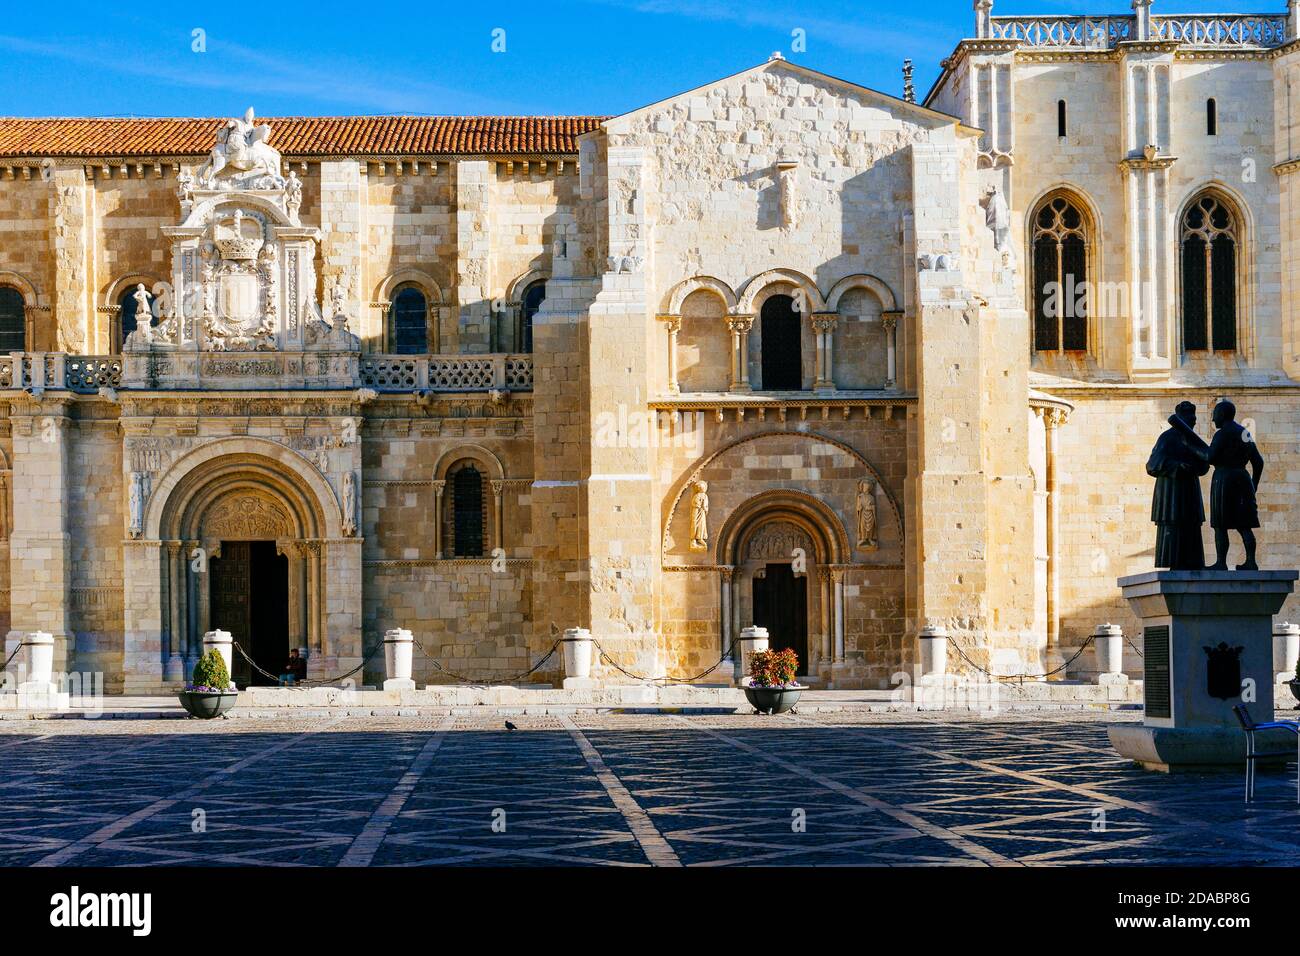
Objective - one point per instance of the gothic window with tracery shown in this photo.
(1060, 275)
(1209, 273)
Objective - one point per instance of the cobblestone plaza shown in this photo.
(667, 790)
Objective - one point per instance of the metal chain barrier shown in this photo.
(1021, 677)
(12, 656)
(604, 656)
(1136, 649)
(510, 679)
(318, 681)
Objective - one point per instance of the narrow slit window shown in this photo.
(1060, 118)
(1211, 117)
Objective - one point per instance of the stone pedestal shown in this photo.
(1286, 650)
(1207, 645)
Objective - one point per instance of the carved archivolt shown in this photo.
(686, 287)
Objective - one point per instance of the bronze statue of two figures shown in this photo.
(1177, 463)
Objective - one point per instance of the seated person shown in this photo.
(295, 669)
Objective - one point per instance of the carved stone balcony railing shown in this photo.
(87, 374)
(58, 370)
(1250, 30)
(1087, 32)
(447, 373)
(1259, 30)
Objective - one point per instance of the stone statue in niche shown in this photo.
(293, 195)
(242, 158)
(1176, 507)
(998, 218)
(349, 503)
(333, 333)
(700, 517)
(142, 336)
(866, 514)
(1232, 489)
(139, 495)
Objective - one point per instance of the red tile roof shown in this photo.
(300, 136)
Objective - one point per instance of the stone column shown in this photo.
(837, 575)
(315, 637)
(740, 326)
(889, 321)
(473, 254)
(823, 324)
(1151, 250)
(174, 666)
(824, 609)
(672, 325)
(1142, 10)
(498, 513)
(1052, 419)
(724, 627)
(439, 486)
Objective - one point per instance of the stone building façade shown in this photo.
(779, 349)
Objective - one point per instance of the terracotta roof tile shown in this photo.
(300, 136)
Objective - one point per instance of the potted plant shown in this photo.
(772, 688)
(209, 694)
(1294, 684)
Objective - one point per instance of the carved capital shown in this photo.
(439, 486)
(740, 323)
(672, 323)
(824, 321)
(889, 320)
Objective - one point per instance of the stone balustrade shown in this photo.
(447, 373)
(87, 374)
(1104, 32)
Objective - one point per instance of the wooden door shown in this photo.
(231, 601)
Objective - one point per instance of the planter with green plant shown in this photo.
(209, 694)
(772, 687)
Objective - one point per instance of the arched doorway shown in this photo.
(243, 542)
(782, 552)
(248, 582)
(779, 585)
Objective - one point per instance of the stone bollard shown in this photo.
(1108, 648)
(38, 662)
(399, 650)
(38, 690)
(1286, 650)
(578, 650)
(934, 651)
(221, 640)
(752, 641)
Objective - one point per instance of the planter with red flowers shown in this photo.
(771, 687)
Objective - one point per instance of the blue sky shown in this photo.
(74, 58)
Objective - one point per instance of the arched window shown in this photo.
(408, 322)
(1209, 238)
(1060, 274)
(782, 342)
(467, 512)
(13, 321)
(528, 306)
